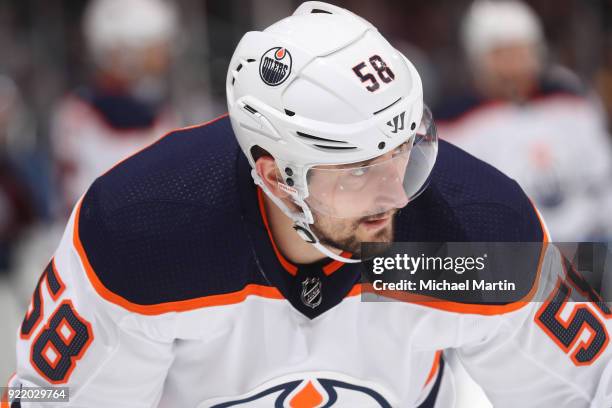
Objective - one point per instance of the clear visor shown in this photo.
(376, 186)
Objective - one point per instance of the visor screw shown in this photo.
(290, 182)
(288, 172)
(412, 126)
(381, 145)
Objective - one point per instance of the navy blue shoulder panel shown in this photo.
(561, 82)
(165, 224)
(456, 107)
(468, 200)
(120, 110)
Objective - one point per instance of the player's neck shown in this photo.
(288, 242)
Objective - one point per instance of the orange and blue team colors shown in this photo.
(167, 290)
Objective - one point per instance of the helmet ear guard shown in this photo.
(314, 100)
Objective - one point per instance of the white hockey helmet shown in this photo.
(131, 25)
(489, 24)
(323, 88)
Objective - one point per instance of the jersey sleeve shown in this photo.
(72, 337)
(553, 352)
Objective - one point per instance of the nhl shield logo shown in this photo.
(311, 292)
(275, 66)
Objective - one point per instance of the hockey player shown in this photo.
(124, 108)
(539, 112)
(180, 283)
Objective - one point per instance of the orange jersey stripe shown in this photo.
(289, 267)
(335, 265)
(328, 269)
(456, 307)
(434, 368)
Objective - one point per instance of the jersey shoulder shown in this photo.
(556, 83)
(469, 200)
(164, 225)
(457, 106)
(560, 81)
(120, 111)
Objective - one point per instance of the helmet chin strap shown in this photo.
(304, 231)
(301, 224)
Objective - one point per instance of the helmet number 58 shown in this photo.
(384, 72)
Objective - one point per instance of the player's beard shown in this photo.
(348, 234)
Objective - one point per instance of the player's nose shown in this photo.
(392, 193)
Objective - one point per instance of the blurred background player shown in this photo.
(125, 105)
(533, 121)
(536, 123)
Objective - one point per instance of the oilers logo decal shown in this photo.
(275, 66)
(313, 390)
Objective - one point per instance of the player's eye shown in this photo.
(359, 171)
(403, 148)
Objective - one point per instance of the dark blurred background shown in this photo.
(43, 50)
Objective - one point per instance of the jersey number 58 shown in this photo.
(565, 332)
(64, 338)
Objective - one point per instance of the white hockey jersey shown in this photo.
(554, 145)
(167, 290)
(92, 131)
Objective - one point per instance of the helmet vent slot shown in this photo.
(335, 147)
(239, 67)
(326, 144)
(307, 136)
(319, 11)
(387, 107)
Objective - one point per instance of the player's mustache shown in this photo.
(380, 215)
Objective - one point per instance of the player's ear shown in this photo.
(270, 175)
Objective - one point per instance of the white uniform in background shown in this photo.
(556, 147)
(87, 141)
(124, 109)
(531, 122)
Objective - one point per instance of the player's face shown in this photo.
(348, 234)
(356, 203)
(511, 71)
